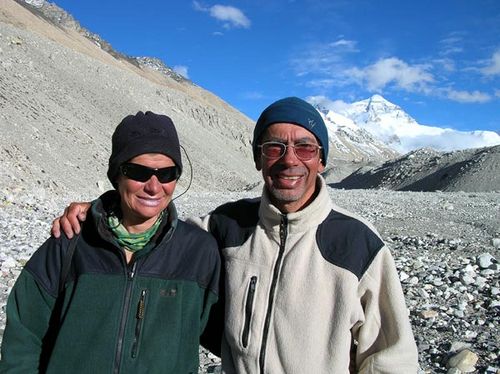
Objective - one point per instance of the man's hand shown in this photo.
(70, 220)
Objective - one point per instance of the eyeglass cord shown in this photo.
(190, 174)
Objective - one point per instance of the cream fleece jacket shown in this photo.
(309, 292)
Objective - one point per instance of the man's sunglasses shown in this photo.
(303, 151)
(142, 173)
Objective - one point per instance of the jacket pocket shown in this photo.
(248, 310)
(139, 316)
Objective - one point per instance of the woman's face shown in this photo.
(142, 202)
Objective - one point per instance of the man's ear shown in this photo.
(321, 167)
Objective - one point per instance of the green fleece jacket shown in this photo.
(144, 317)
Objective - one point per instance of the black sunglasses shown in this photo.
(142, 173)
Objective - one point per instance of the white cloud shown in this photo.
(229, 15)
(497, 93)
(452, 44)
(327, 103)
(493, 67)
(393, 71)
(347, 45)
(197, 6)
(447, 64)
(324, 59)
(323, 83)
(253, 95)
(326, 66)
(449, 140)
(181, 70)
(468, 97)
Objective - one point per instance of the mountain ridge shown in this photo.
(388, 122)
(425, 169)
(62, 94)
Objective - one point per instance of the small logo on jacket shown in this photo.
(172, 292)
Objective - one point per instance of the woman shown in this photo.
(141, 282)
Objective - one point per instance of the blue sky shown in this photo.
(437, 59)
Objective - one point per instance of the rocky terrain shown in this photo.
(429, 170)
(62, 95)
(63, 90)
(446, 247)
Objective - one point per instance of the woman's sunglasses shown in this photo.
(142, 173)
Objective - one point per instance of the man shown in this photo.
(309, 287)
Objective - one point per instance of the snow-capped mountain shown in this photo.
(394, 127)
(350, 142)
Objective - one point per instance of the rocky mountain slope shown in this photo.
(62, 95)
(62, 84)
(429, 170)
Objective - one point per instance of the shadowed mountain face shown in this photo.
(472, 170)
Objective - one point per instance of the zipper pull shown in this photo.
(253, 282)
(141, 305)
(141, 308)
(131, 272)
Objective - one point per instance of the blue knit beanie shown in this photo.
(296, 111)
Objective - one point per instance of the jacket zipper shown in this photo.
(141, 308)
(123, 322)
(277, 266)
(248, 310)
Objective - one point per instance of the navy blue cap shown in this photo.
(296, 111)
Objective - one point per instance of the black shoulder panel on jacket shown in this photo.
(45, 264)
(232, 224)
(190, 254)
(347, 242)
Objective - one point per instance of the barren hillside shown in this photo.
(470, 170)
(61, 96)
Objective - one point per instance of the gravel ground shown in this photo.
(445, 246)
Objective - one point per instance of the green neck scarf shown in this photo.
(132, 242)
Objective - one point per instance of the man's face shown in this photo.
(290, 181)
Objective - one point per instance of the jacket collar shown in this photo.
(110, 201)
(311, 216)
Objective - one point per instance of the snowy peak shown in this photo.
(390, 124)
(377, 110)
(350, 142)
(377, 103)
(379, 107)
(374, 105)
